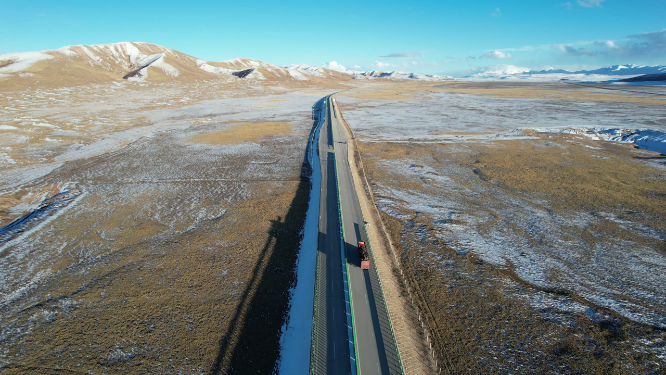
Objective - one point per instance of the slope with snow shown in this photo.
(98, 63)
(373, 74)
(81, 64)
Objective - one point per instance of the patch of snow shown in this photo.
(308, 69)
(213, 69)
(256, 75)
(44, 125)
(6, 159)
(646, 139)
(296, 338)
(8, 127)
(23, 60)
(168, 69)
(66, 50)
(90, 53)
(297, 75)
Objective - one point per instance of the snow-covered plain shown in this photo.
(629, 283)
(296, 340)
(129, 148)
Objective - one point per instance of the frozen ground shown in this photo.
(452, 117)
(174, 255)
(455, 118)
(479, 174)
(296, 340)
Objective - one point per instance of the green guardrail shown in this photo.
(346, 266)
(316, 288)
(381, 288)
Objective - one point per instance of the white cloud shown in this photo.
(497, 13)
(334, 66)
(356, 67)
(382, 65)
(571, 51)
(403, 54)
(652, 44)
(590, 3)
(567, 5)
(496, 55)
(499, 70)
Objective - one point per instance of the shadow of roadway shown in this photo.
(251, 345)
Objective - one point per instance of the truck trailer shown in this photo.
(363, 255)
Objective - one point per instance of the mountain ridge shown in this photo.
(605, 73)
(75, 65)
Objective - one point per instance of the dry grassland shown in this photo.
(178, 254)
(569, 93)
(244, 133)
(555, 91)
(395, 91)
(492, 319)
(472, 309)
(202, 301)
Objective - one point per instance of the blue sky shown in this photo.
(430, 37)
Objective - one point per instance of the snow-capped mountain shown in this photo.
(359, 74)
(619, 70)
(500, 71)
(610, 73)
(315, 71)
(83, 64)
(137, 61)
(396, 75)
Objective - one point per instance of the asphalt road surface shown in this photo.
(330, 350)
(340, 210)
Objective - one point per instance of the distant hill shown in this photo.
(137, 61)
(360, 74)
(614, 70)
(646, 78)
(99, 63)
(610, 73)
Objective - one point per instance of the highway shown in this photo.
(352, 332)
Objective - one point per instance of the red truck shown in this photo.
(364, 256)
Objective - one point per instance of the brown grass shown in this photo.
(570, 174)
(594, 95)
(4, 63)
(244, 133)
(394, 91)
(468, 304)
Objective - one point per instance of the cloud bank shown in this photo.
(590, 3)
(333, 65)
(652, 44)
(496, 55)
(381, 65)
(403, 54)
